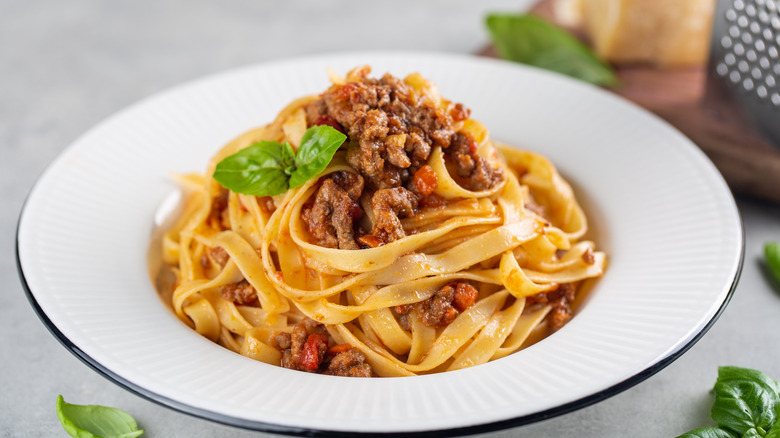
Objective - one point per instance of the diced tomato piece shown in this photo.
(339, 348)
(313, 351)
(449, 316)
(465, 296)
(370, 241)
(472, 145)
(425, 180)
(459, 112)
(343, 92)
(325, 119)
(403, 309)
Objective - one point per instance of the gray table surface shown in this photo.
(64, 66)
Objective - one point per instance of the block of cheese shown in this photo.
(661, 32)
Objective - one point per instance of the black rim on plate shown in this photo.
(300, 431)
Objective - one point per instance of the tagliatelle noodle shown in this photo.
(495, 239)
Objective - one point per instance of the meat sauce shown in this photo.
(391, 133)
(310, 348)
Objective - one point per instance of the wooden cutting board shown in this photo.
(702, 109)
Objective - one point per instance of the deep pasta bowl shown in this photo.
(656, 206)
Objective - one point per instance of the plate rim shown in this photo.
(294, 431)
(256, 425)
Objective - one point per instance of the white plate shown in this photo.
(660, 210)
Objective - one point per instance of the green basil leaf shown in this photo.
(772, 253)
(745, 401)
(774, 432)
(531, 40)
(288, 159)
(261, 169)
(708, 432)
(754, 433)
(93, 421)
(318, 145)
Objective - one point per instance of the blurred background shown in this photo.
(65, 66)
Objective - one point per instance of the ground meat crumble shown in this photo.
(218, 215)
(560, 299)
(391, 131)
(310, 348)
(443, 307)
(331, 218)
(241, 293)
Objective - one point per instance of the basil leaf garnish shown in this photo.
(93, 421)
(772, 253)
(269, 168)
(531, 40)
(318, 145)
(745, 401)
(288, 159)
(255, 170)
(708, 432)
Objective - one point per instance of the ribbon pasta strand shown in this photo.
(519, 244)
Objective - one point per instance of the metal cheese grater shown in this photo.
(745, 53)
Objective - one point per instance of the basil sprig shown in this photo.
(269, 168)
(93, 421)
(531, 40)
(772, 254)
(747, 405)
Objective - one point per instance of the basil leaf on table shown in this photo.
(318, 145)
(708, 432)
(531, 40)
(269, 168)
(772, 254)
(747, 405)
(745, 401)
(93, 421)
(774, 432)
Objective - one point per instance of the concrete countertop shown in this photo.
(65, 66)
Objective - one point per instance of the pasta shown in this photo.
(423, 246)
